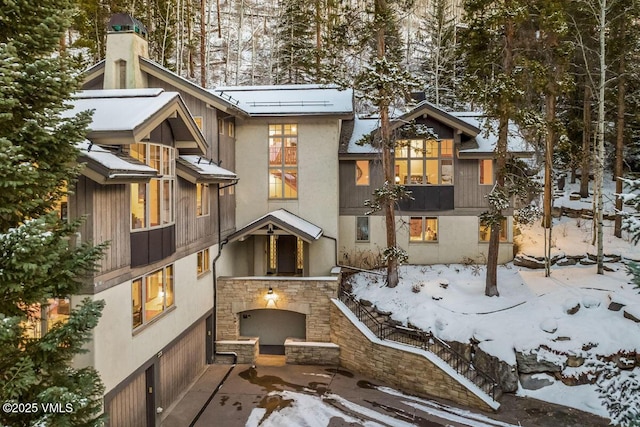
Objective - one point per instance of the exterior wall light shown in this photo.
(271, 298)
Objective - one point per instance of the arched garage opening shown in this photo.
(273, 327)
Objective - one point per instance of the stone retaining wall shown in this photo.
(406, 370)
(247, 350)
(311, 353)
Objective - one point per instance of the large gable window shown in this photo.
(152, 203)
(424, 162)
(283, 161)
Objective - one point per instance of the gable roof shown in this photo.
(279, 222)
(108, 167)
(426, 108)
(150, 67)
(126, 116)
(484, 143)
(479, 142)
(290, 100)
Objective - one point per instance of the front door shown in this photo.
(287, 249)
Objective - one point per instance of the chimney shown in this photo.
(126, 42)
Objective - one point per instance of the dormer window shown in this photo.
(424, 162)
(152, 203)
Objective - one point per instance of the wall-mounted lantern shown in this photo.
(271, 298)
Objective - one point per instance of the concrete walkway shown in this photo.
(247, 388)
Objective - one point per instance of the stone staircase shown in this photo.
(381, 324)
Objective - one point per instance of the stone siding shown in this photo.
(247, 350)
(310, 296)
(408, 371)
(311, 353)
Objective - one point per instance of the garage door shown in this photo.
(272, 326)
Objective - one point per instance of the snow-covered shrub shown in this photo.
(620, 394)
(395, 252)
(527, 214)
(631, 221)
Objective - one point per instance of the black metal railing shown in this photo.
(421, 339)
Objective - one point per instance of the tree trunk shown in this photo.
(203, 49)
(585, 168)
(491, 282)
(598, 217)
(550, 115)
(387, 164)
(619, 165)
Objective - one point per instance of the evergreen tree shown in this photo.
(440, 60)
(40, 259)
(295, 42)
(494, 82)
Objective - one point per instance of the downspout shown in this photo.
(214, 273)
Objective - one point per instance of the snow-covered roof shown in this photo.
(289, 100)
(359, 128)
(125, 116)
(108, 167)
(277, 223)
(200, 169)
(485, 142)
(120, 109)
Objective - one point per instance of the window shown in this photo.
(203, 261)
(362, 229)
(220, 126)
(486, 171)
(362, 172)
(273, 254)
(221, 192)
(62, 205)
(283, 161)
(423, 229)
(424, 162)
(232, 190)
(151, 295)
(202, 199)
(198, 120)
(152, 203)
(485, 231)
(44, 317)
(231, 129)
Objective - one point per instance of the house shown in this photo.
(227, 211)
(449, 172)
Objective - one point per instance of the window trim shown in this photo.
(231, 129)
(166, 167)
(408, 146)
(203, 205)
(504, 229)
(220, 126)
(199, 121)
(363, 172)
(203, 257)
(282, 167)
(480, 175)
(368, 239)
(143, 297)
(423, 229)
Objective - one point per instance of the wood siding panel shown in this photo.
(111, 222)
(189, 228)
(469, 193)
(128, 407)
(197, 108)
(352, 196)
(181, 364)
